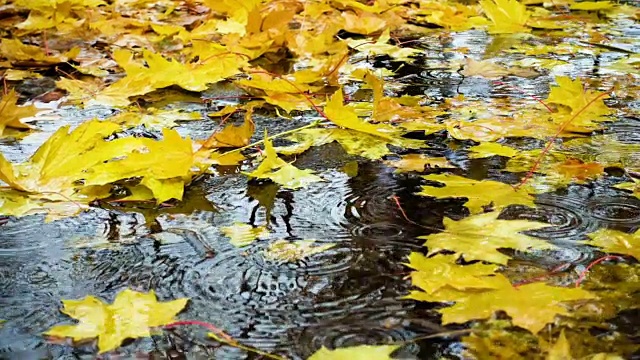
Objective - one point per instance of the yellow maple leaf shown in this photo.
(530, 306)
(129, 317)
(617, 242)
(434, 273)
(361, 352)
(481, 194)
(508, 16)
(478, 237)
(11, 113)
(347, 118)
(587, 105)
(281, 172)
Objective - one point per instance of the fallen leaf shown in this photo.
(530, 306)
(617, 242)
(11, 113)
(488, 149)
(481, 195)
(231, 135)
(347, 118)
(419, 163)
(508, 16)
(129, 317)
(361, 352)
(561, 349)
(280, 171)
(479, 237)
(436, 272)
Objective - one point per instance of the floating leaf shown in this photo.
(280, 171)
(440, 271)
(347, 118)
(617, 242)
(362, 352)
(487, 149)
(479, 237)
(482, 195)
(129, 317)
(419, 163)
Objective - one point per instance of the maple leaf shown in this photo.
(419, 163)
(479, 237)
(488, 149)
(572, 94)
(440, 271)
(361, 352)
(129, 316)
(381, 47)
(353, 142)
(617, 242)
(280, 171)
(508, 16)
(481, 194)
(347, 118)
(231, 135)
(244, 234)
(11, 113)
(530, 306)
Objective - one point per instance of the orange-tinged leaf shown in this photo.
(231, 135)
(130, 316)
(574, 169)
(478, 237)
(419, 163)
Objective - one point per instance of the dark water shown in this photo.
(348, 295)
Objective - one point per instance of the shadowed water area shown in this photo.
(350, 294)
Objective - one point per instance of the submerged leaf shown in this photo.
(129, 317)
(244, 234)
(286, 251)
(419, 163)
